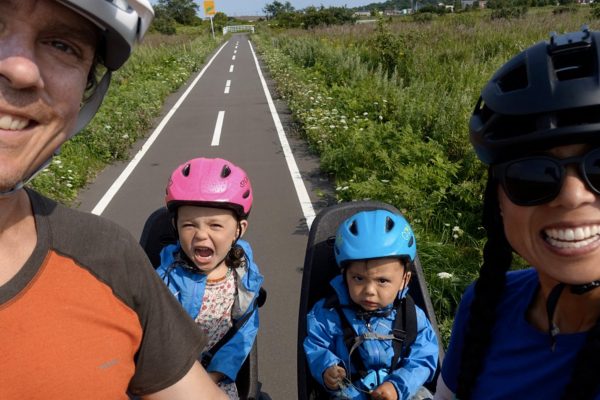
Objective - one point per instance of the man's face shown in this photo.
(46, 52)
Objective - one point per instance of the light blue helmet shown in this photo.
(374, 234)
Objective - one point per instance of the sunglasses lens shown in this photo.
(533, 181)
(592, 170)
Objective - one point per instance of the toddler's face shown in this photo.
(375, 284)
(206, 234)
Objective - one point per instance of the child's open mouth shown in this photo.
(203, 255)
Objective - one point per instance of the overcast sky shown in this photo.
(235, 8)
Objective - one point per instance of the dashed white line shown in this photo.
(218, 127)
(233, 58)
(301, 192)
(231, 68)
(227, 86)
(235, 51)
(114, 188)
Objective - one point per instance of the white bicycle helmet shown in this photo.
(122, 24)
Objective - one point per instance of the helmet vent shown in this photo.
(579, 63)
(411, 241)
(186, 170)
(353, 228)
(226, 171)
(514, 80)
(246, 194)
(389, 224)
(583, 115)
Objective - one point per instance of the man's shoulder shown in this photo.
(94, 242)
(67, 222)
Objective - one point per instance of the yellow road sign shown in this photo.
(209, 7)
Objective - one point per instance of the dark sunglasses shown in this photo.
(537, 180)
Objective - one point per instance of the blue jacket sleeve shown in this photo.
(229, 359)
(421, 364)
(319, 342)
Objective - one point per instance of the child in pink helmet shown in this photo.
(210, 269)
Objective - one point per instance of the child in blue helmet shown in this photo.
(350, 340)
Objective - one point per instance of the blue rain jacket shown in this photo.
(324, 347)
(188, 287)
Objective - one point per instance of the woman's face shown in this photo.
(561, 238)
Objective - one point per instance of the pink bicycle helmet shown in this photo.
(212, 182)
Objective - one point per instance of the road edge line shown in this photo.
(301, 192)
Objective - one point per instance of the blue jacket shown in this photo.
(188, 286)
(324, 347)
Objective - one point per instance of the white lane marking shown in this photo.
(218, 128)
(235, 52)
(301, 192)
(233, 58)
(226, 91)
(231, 68)
(114, 188)
(227, 86)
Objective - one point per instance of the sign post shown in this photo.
(209, 10)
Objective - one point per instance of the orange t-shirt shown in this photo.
(87, 317)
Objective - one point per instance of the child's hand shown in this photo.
(385, 391)
(333, 376)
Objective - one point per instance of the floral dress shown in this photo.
(215, 316)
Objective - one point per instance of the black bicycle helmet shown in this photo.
(546, 96)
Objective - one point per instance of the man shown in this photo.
(82, 313)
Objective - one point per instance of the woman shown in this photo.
(535, 333)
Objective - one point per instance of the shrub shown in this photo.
(508, 12)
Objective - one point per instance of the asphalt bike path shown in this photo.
(225, 110)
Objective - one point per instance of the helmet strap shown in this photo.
(19, 185)
(91, 106)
